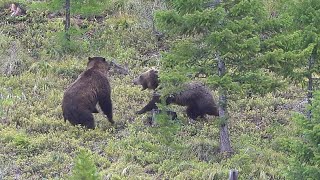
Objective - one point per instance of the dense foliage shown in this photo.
(264, 44)
(304, 146)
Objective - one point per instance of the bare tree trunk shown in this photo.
(310, 84)
(67, 21)
(233, 174)
(225, 145)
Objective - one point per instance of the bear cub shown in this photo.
(92, 87)
(197, 98)
(148, 80)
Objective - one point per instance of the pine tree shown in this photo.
(84, 167)
(293, 51)
(304, 147)
(221, 40)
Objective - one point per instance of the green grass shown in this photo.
(36, 143)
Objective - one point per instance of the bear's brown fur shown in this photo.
(148, 79)
(197, 98)
(91, 87)
(151, 104)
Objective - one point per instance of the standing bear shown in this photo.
(91, 87)
(198, 99)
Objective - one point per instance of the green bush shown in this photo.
(84, 167)
(304, 149)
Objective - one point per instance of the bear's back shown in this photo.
(88, 82)
(193, 92)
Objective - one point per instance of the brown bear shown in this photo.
(197, 98)
(91, 87)
(148, 80)
(151, 104)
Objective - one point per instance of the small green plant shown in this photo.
(166, 129)
(84, 167)
(21, 140)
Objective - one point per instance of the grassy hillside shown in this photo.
(36, 143)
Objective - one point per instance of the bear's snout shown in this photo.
(135, 82)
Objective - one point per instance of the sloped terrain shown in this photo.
(36, 143)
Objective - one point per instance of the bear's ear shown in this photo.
(169, 99)
(104, 59)
(90, 58)
(154, 71)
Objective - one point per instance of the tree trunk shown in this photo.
(67, 21)
(233, 174)
(310, 84)
(225, 145)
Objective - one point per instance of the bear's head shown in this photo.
(148, 79)
(99, 63)
(170, 99)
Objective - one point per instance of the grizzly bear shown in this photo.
(197, 98)
(151, 104)
(148, 80)
(91, 87)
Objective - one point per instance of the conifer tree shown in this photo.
(294, 53)
(84, 167)
(221, 40)
(304, 147)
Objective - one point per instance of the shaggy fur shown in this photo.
(91, 87)
(148, 80)
(197, 98)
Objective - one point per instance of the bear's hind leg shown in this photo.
(89, 124)
(192, 114)
(106, 106)
(95, 110)
(86, 120)
(213, 110)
